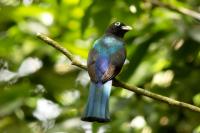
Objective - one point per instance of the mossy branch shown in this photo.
(116, 82)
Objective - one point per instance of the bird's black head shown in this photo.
(118, 29)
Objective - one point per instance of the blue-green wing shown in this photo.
(117, 60)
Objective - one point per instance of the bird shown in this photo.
(105, 61)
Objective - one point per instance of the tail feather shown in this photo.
(97, 108)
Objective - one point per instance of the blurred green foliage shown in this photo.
(163, 53)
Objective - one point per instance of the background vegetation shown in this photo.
(41, 92)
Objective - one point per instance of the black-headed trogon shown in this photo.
(105, 61)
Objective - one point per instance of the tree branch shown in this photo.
(118, 83)
(57, 46)
(182, 10)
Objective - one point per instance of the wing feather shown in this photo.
(101, 68)
(116, 62)
(91, 64)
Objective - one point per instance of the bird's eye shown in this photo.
(117, 24)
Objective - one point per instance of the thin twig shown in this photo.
(155, 96)
(118, 83)
(181, 10)
(57, 46)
